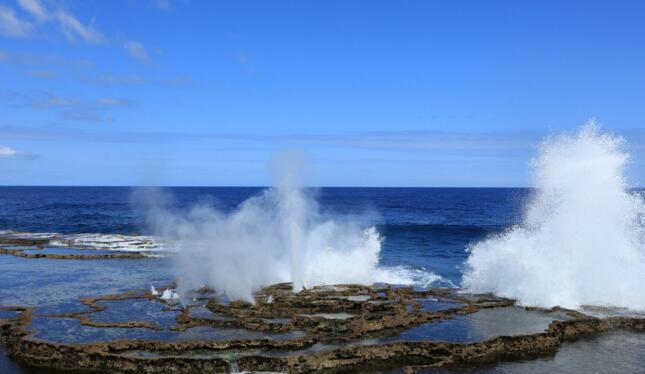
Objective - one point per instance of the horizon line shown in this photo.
(237, 186)
(265, 186)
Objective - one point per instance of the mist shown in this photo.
(279, 235)
(582, 240)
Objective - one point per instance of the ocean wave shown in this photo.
(582, 239)
(440, 228)
(116, 242)
(407, 276)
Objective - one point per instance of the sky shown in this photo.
(378, 93)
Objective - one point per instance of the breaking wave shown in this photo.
(582, 241)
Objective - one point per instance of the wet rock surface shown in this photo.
(343, 328)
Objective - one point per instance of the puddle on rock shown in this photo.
(144, 310)
(277, 320)
(479, 326)
(341, 316)
(204, 313)
(70, 330)
(431, 304)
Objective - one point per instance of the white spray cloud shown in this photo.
(277, 236)
(582, 241)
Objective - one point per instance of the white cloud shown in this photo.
(6, 152)
(42, 73)
(70, 108)
(12, 26)
(35, 8)
(162, 4)
(136, 50)
(73, 28)
(111, 102)
(131, 79)
(183, 80)
(49, 101)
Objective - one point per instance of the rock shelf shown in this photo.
(341, 328)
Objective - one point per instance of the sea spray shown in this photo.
(293, 207)
(277, 236)
(581, 240)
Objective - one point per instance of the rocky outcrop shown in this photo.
(336, 322)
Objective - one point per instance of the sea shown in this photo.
(422, 228)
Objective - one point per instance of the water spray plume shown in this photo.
(581, 241)
(278, 236)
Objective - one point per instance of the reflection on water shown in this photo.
(482, 325)
(70, 330)
(48, 283)
(145, 310)
(431, 304)
(608, 353)
(5, 314)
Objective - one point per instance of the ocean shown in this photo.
(423, 228)
(426, 236)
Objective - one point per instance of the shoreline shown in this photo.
(359, 342)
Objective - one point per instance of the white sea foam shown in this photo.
(116, 242)
(277, 236)
(407, 276)
(169, 294)
(582, 241)
(109, 242)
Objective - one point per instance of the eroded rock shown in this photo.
(348, 327)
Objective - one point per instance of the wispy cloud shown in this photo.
(137, 80)
(35, 8)
(47, 66)
(30, 59)
(126, 80)
(72, 27)
(10, 153)
(136, 50)
(407, 141)
(44, 74)
(6, 152)
(11, 25)
(161, 4)
(111, 102)
(53, 66)
(178, 81)
(70, 108)
(245, 62)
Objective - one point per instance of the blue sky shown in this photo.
(397, 93)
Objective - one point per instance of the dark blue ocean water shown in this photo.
(423, 227)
